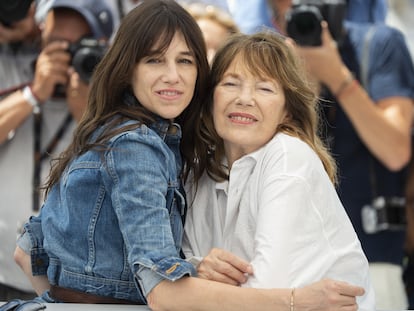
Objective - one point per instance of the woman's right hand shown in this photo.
(327, 295)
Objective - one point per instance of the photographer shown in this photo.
(36, 119)
(368, 125)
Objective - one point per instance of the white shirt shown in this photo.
(283, 215)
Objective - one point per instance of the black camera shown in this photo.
(86, 54)
(384, 213)
(13, 10)
(304, 20)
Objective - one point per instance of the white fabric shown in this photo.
(388, 286)
(284, 216)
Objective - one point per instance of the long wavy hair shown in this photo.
(265, 55)
(151, 24)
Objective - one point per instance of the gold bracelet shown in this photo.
(347, 82)
(292, 300)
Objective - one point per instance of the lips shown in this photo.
(242, 118)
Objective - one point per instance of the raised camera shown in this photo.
(305, 17)
(86, 54)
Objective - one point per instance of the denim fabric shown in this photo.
(112, 226)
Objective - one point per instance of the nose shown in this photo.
(246, 96)
(170, 74)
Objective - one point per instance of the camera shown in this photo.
(13, 10)
(304, 20)
(85, 55)
(384, 213)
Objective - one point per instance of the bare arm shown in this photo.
(14, 109)
(40, 283)
(384, 126)
(197, 294)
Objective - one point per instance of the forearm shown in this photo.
(384, 127)
(197, 294)
(40, 283)
(14, 109)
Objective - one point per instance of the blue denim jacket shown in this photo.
(112, 226)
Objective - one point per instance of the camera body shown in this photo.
(384, 213)
(85, 55)
(304, 20)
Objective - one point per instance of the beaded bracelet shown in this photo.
(292, 300)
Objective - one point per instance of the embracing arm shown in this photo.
(197, 294)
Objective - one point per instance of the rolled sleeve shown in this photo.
(171, 269)
(31, 242)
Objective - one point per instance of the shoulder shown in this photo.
(290, 154)
(383, 36)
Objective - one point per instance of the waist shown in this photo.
(69, 295)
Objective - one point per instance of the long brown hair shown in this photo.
(264, 54)
(152, 23)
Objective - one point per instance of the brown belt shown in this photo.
(73, 296)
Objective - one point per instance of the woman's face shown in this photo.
(247, 110)
(164, 83)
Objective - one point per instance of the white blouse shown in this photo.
(280, 212)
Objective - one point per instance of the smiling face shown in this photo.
(164, 83)
(247, 110)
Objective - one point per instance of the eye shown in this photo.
(152, 60)
(230, 82)
(185, 60)
(266, 87)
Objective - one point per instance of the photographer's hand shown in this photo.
(51, 69)
(77, 94)
(384, 126)
(324, 62)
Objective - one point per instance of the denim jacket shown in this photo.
(112, 226)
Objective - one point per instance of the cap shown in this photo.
(96, 12)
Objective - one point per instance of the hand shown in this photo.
(222, 266)
(52, 68)
(327, 295)
(77, 94)
(324, 62)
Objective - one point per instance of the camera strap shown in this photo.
(364, 65)
(40, 155)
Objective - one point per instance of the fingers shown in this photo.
(235, 261)
(346, 289)
(51, 69)
(217, 276)
(223, 266)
